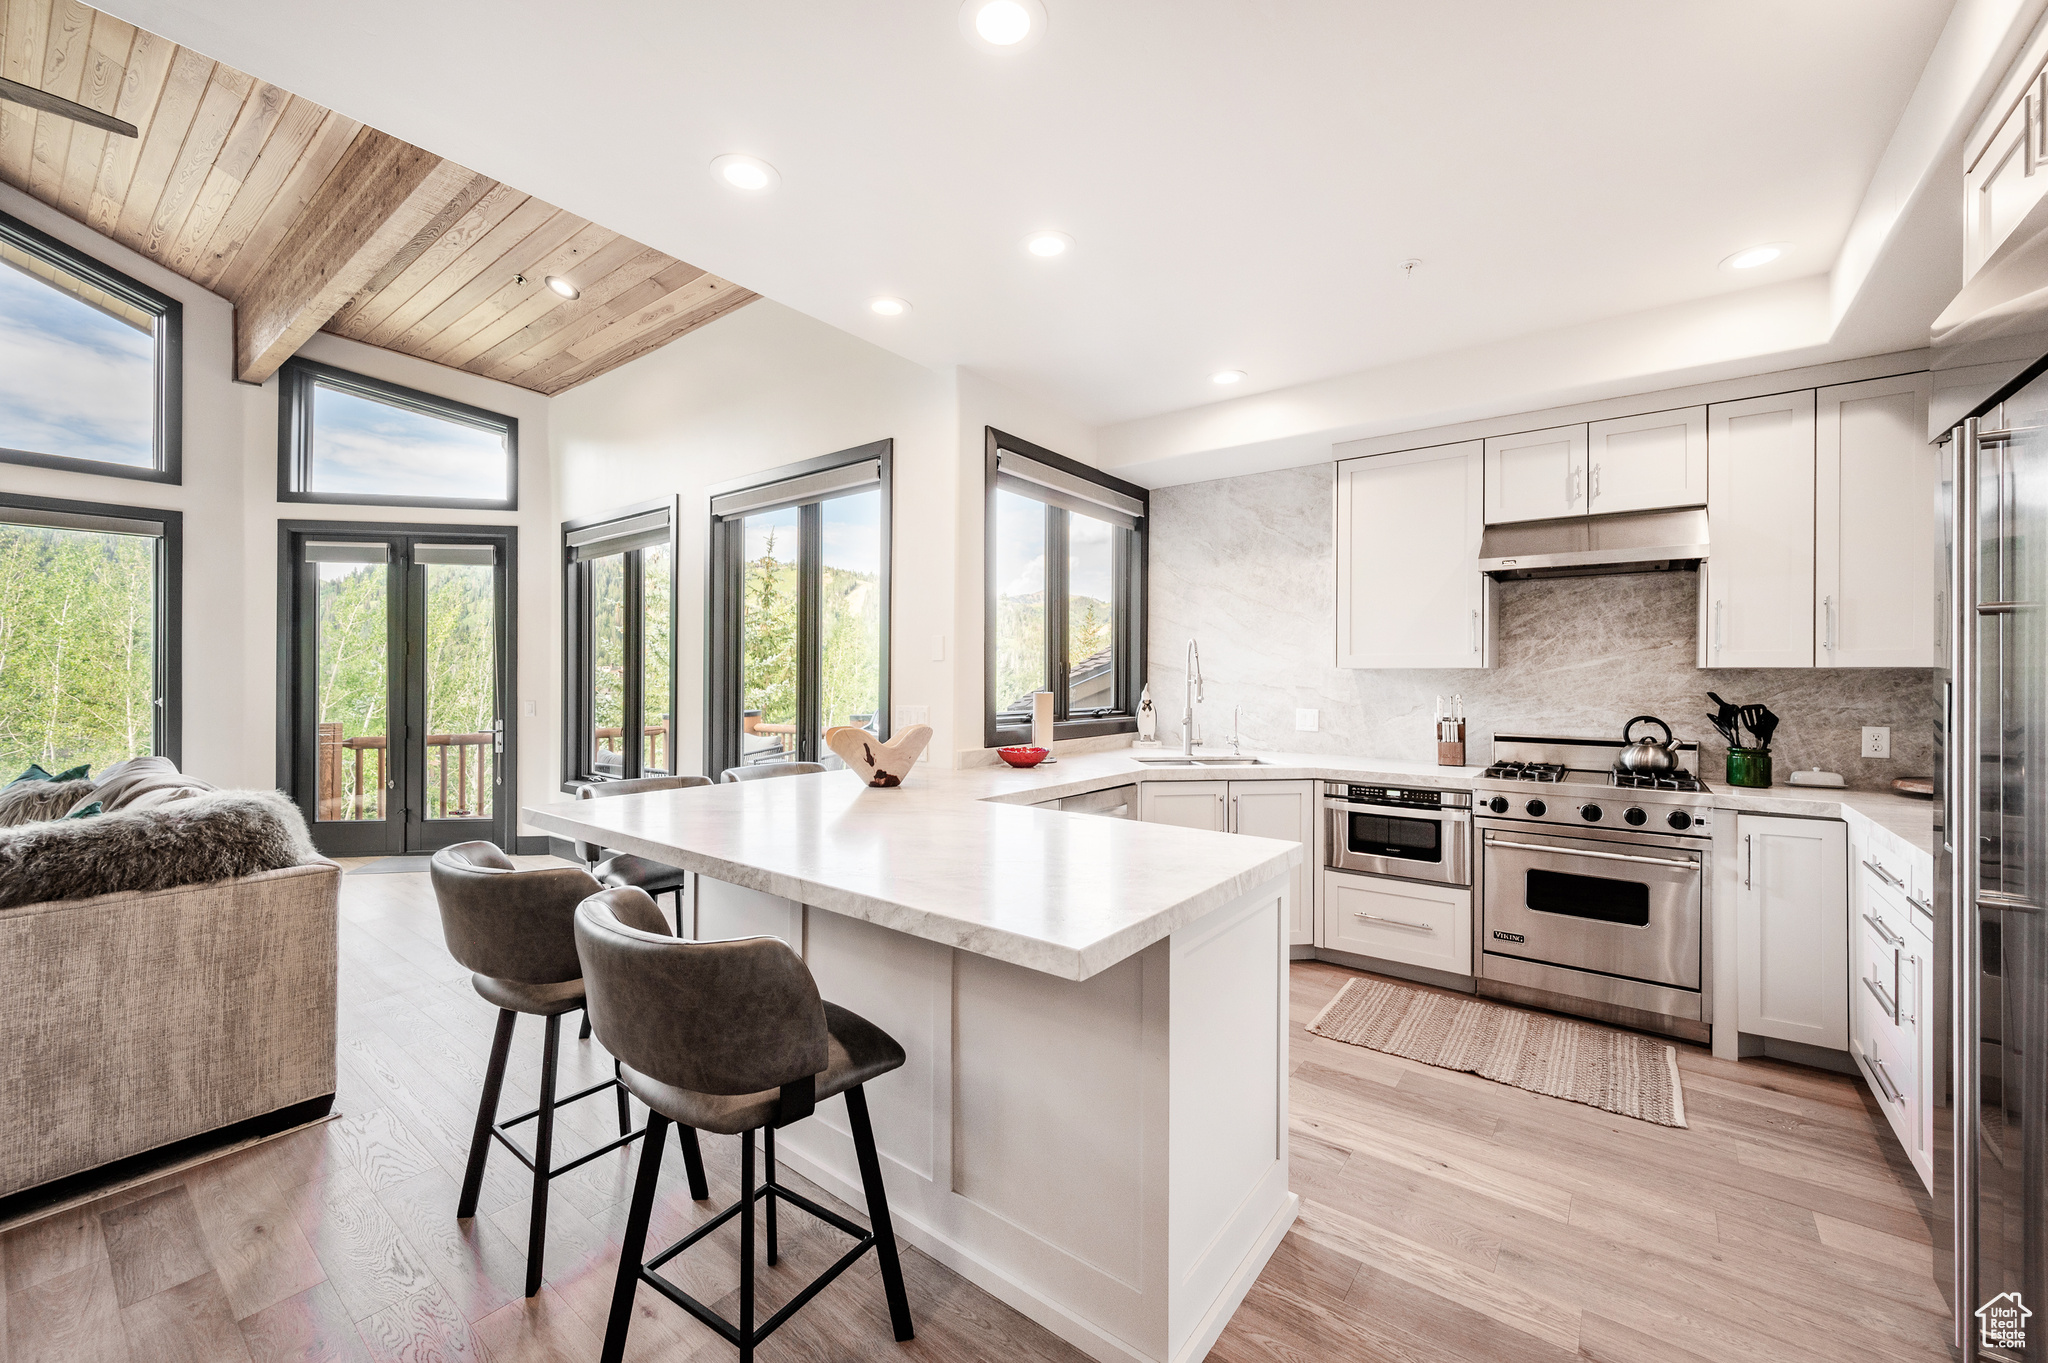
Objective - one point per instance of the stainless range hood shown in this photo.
(1590, 546)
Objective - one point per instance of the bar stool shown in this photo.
(730, 1037)
(767, 770)
(624, 868)
(513, 930)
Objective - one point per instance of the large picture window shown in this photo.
(799, 610)
(89, 363)
(1066, 597)
(620, 595)
(88, 634)
(344, 437)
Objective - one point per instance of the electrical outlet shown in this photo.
(913, 714)
(1877, 742)
(1308, 721)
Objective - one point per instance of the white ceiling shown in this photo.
(1242, 178)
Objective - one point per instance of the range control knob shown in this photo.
(1590, 813)
(1536, 809)
(1498, 804)
(1634, 816)
(1679, 819)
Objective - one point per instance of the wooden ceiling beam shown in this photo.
(377, 199)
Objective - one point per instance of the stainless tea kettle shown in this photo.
(1646, 756)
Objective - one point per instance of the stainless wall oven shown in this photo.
(1402, 832)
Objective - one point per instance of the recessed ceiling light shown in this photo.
(888, 307)
(1002, 25)
(1756, 255)
(563, 287)
(1048, 244)
(749, 173)
(1227, 376)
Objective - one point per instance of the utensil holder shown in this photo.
(1450, 752)
(1749, 767)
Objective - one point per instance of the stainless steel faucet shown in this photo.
(1194, 693)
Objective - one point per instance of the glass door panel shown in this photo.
(657, 706)
(608, 664)
(850, 669)
(355, 770)
(1020, 602)
(769, 653)
(457, 757)
(1091, 615)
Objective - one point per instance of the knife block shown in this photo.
(1451, 752)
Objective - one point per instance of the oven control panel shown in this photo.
(1401, 797)
(1624, 811)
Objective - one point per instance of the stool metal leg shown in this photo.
(486, 1115)
(634, 1249)
(747, 1247)
(625, 1113)
(693, 1162)
(583, 1032)
(768, 1184)
(543, 1148)
(878, 1212)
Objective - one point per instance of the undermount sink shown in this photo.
(1182, 760)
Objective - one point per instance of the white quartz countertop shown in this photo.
(958, 857)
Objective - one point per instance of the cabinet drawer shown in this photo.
(1398, 920)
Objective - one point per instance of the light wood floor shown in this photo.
(1443, 1218)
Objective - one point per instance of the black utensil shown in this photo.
(1763, 726)
(1727, 720)
(1727, 731)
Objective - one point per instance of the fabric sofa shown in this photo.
(140, 1018)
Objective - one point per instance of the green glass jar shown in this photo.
(1749, 767)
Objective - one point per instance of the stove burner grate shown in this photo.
(1548, 772)
(1671, 780)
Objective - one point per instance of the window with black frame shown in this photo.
(799, 610)
(1066, 593)
(89, 363)
(346, 437)
(89, 615)
(620, 629)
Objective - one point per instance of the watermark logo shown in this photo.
(2002, 1321)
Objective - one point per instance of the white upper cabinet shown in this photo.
(1758, 597)
(1647, 463)
(1876, 482)
(1409, 590)
(1536, 476)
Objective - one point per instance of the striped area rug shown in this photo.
(1580, 1062)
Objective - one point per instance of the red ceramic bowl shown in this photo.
(1023, 756)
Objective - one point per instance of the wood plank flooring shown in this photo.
(1444, 1218)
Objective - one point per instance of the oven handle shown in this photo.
(1582, 852)
(1446, 814)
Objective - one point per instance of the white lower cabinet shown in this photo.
(1891, 1034)
(1285, 810)
(1188, 804)
(1398, 920)
(1791, 929)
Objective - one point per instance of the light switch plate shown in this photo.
(529, 708)
(1308, 721)
(1877, 742)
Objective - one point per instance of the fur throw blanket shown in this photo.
(215, 836)
(29, 801)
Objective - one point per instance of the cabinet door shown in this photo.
(1876, 480)
(1409, 590)
(1792, 929)
(1284, 810)
(1647, 463)
(1190, 804)
(1398, 920)
(1536, 476)
(1759, 576)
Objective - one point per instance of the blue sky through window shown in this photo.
(74, 381)
(365, 446)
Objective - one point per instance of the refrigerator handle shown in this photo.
(1964, 776)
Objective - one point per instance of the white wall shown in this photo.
(231, 513)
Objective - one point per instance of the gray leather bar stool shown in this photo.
(514, 930)
(767, 770)
(730, 1037)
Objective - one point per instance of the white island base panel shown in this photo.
(1108, 1156)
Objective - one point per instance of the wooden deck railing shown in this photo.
(654, 757)
(354, 774)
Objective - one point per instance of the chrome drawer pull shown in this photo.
(1925, 906)
(1886, 876)
(1394, 922)
(1877, 991)
(1886, 1082)
(1884, 931)
(1582, 852)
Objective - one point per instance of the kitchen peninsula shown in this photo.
(1092, 1123)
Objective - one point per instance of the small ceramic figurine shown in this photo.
(879, 763)
(1148, 719)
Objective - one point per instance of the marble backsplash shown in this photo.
(1247, 566)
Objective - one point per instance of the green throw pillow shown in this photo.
(86, 811)
(35, 772)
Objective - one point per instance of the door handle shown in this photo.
(1475, 631)
(1395, 922)
(1827, 605)
(1748, 860)
(1594, 495)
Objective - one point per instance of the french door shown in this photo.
(399, 643)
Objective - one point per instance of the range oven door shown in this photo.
(1621, 909)
(1400, 841)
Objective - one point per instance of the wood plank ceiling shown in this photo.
(227, 164)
